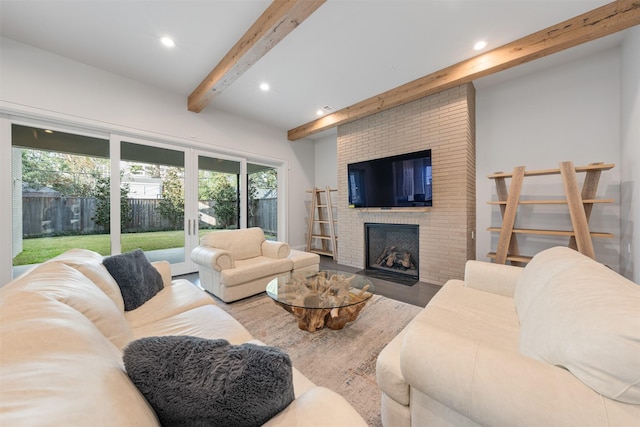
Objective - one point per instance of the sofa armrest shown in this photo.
(493, 386)
(273, 249)
(164, 268)
(217, 259)
(495, 278)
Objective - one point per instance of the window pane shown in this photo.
(262, 199)
(60, 195)
(218, 201)
(152, 201)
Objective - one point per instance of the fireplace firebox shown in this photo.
(392, 252)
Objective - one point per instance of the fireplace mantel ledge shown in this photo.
(416, 209)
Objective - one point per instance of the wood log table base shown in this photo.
(312, 319)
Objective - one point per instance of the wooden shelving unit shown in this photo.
(579, 203)
(322, 223)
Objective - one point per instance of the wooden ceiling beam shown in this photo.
(600, 22)
(278, 20)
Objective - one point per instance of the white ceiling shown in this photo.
(347, 51)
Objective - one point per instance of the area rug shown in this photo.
(344, 360)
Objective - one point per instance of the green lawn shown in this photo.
(35, 251)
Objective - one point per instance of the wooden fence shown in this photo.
(74, 215)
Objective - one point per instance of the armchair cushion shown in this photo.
(241, 244)
(137, 278)
(250, 269)
(195, 381)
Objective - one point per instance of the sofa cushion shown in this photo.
(195, 381)
(90, 264)
(137, 278)
(587, 320)
(241, 244)
(207, 321)
(181, 296)
(318, 407)
(69, 286)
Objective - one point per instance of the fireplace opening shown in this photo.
(392, 252)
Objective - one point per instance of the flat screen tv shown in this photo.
(391, 182)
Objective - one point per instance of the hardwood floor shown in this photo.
(419, 294)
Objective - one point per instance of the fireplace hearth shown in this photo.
(392, 252)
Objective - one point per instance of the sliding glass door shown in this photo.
(152, 201)
(112, 194)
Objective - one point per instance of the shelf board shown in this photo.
(321, 252)
(549, 202)
(320, 236)
(551, 232)
(322, 191)
(593, 167)
(517, 258)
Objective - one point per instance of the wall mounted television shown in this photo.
(400, 181)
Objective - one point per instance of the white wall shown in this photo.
(630, 158)
(326, 154)
(38, 83)
(569, 112)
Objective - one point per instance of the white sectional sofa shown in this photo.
(63, 329)
(556, 343)
(235, 264)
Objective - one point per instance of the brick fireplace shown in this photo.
(444, 123)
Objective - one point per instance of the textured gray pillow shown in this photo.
(138, 280)
(191, 381)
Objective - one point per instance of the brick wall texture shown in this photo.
(445, 123)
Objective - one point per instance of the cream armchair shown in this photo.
(235, 264)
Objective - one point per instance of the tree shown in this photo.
(171, 205)
(102, 214)
(266, 179)
(225, 200)
(71, 175)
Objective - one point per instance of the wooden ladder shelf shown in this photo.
(579, 203)
(322, 224)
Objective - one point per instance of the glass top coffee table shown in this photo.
(328, 298)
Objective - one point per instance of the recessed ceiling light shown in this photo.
(264, 86)
(480, 45)
(319, 112)
(48, 131)
(167, 41)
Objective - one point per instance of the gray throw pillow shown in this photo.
(138, 280)
(191, 381)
